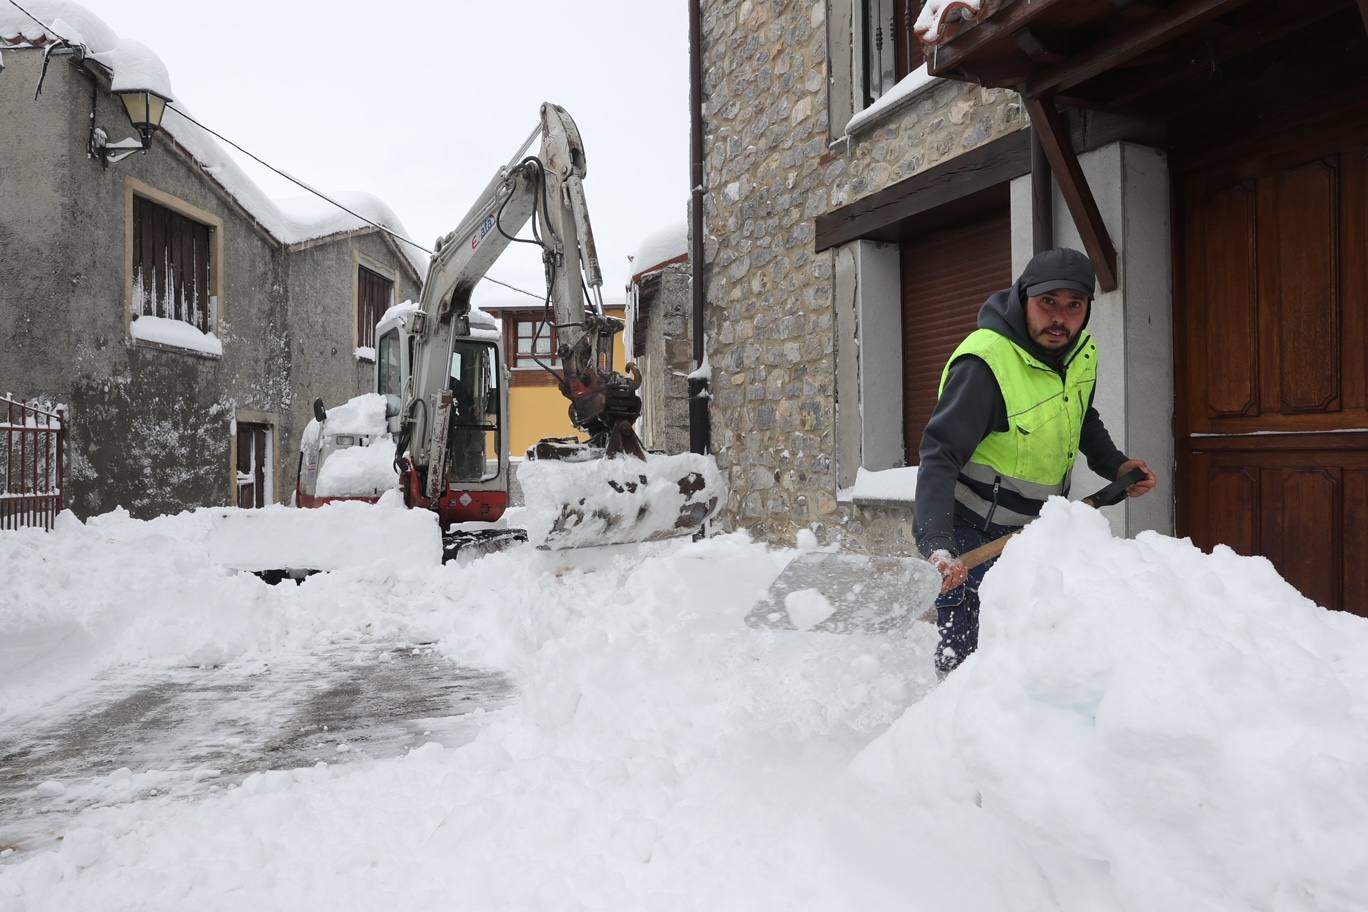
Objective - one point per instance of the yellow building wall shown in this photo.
(541, 411)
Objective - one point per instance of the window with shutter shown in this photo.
(172, 267)
(947, 274)
(374, 295)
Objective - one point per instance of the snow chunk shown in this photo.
(177, 333)
(365, 471)
(898, 484)
(362, 415)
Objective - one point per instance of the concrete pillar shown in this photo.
(1133, 324)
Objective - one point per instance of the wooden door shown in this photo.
(251, 465)
(1270, 334)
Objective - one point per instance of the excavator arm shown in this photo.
(623, 503)
(547, 188)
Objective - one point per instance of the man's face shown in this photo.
(1054, 318)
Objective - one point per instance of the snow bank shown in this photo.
(613, 500)
(333, 537)
(118, 590)
(1145, 728)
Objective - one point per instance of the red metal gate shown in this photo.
(32, 443)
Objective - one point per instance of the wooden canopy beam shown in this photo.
(943, 58)
(1059, 151)
(1108, 55)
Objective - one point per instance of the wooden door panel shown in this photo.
(1300, 302)
(1354, 596)
(1232, 508)
(1301, 520)
(1229, 296)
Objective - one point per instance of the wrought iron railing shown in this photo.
(32, 450)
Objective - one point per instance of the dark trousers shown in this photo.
(957, 611)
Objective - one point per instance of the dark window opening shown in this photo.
(171, 266)
(889, 49)
(374, 293)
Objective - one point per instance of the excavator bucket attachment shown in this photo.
(618, 500)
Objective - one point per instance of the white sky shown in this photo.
(419, 102)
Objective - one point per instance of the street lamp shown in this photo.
(145, 109)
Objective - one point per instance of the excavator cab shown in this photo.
(475, 414)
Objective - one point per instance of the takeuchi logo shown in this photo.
(485, 227)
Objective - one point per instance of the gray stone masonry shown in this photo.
(770, 170)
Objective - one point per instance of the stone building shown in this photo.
(860, 205)
(183, 320)
(659, 339)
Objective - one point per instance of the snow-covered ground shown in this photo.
(1145, 727)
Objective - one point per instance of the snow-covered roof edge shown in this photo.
(941, 20)
(667, 244)
(126, 60)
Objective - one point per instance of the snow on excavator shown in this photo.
(441, 388)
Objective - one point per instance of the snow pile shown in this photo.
(1145, 728)
(362, 415)
(134, 66)
(119, 590)
(574, 504)
(359, 471)
(332, 537)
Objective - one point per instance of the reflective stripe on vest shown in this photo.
(1034, 456)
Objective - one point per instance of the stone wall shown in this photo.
(667, 362)
(770, 170)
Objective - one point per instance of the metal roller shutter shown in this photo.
(947, 274)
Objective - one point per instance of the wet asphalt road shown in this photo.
(136, 734)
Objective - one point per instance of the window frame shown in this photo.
(516, 357)
(904, 56)
(213, 309)
(363, 331)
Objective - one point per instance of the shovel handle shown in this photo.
(1111, 494)
(984, 553)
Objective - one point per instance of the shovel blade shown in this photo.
(844, 592)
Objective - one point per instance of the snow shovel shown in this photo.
(846, 592)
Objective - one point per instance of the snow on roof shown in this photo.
(664, 245)
(134, 65)
(941, 20)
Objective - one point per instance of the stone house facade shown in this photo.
(1212, 163)
(659, 337)
(183, 321)
(780, 87)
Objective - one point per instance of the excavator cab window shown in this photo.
(474, 433)
(389, 380)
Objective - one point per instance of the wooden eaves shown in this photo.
(1044, 49)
